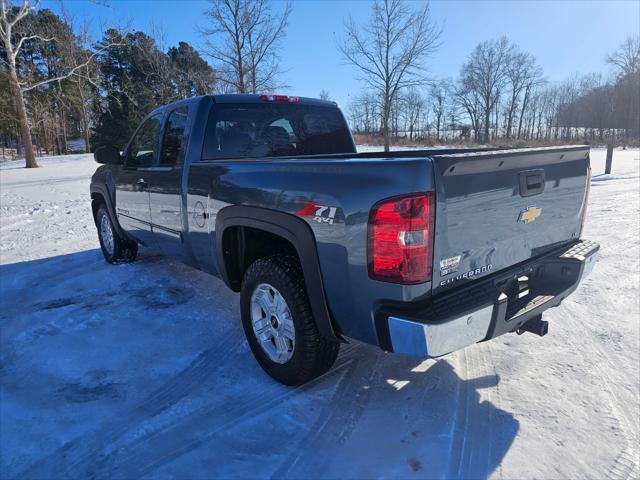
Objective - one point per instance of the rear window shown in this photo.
(274, 130)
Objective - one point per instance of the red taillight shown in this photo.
(279, 98)
(400, 239)
(585, 202)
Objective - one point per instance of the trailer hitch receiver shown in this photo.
(535, 325)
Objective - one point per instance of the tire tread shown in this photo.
(316, 353)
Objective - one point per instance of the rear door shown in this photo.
(132, 193)
(165, 183)
(497, 209)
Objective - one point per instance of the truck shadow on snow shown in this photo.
(142, 370)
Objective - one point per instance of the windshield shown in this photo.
(275, 130)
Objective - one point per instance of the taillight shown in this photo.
(585, 202)
(400, 239)
(279, 98)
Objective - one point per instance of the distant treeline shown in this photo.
(501, 95)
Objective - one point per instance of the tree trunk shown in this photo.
(524, 108)
(63, 122)
(385, 123)
(487, 122)
(385, 132)
(25, 133)
(85, 119)
(510, 119)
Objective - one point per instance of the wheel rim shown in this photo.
(106, 233)
(272, 323)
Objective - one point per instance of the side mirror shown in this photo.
(107, 154)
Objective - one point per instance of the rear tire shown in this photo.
(115, 248)
(279, 324)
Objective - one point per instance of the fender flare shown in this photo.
(103, 191)
(295, 231)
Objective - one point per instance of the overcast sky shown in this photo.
(565, 36)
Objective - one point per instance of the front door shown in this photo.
(165, 184)
(132, 192)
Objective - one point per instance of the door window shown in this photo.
(142, 149)
(174, 142)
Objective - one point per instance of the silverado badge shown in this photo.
(529, 214)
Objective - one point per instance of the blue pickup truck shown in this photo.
(419, 252)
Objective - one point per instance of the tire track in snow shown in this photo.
(470, 459)
(482, 431)
(47, 182)
(83, 451)
(626, 464)
(161, 446)
(338, 420)
(497, 401)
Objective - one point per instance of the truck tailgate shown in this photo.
(498, 208)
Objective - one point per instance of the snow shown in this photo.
(141, 370)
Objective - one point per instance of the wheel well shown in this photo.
(244, 245)
(96, 200)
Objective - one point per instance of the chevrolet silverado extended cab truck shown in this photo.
(419, 252)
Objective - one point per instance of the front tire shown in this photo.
(115, 248)
(279, 324)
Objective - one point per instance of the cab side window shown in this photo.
(142, 149)
(174, 142)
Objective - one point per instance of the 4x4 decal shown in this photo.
(318, 213)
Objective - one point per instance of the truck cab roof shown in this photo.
(241, 98)
(255, 98)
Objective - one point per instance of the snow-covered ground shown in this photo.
(141, 370)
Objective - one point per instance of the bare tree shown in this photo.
(85, 80)
(521, 72)
(243, 41)
(411, 106)
(532, 81)
(468, 98)
(364, 112)
(484, 73)
(438, 94)
(627, 57)
(391, 50)
(324, 95)
(10, 17)
(264, 31)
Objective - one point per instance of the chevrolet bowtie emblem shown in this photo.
(529, 214)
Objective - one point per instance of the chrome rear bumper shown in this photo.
(427, 340)
(494, 308)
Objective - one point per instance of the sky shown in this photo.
(566, 37)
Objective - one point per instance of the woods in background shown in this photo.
(502, 96)
(58, 85)
(134, 76)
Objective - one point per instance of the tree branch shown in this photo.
(70, 72)
(30, 37)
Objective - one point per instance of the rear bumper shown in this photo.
(487, 307)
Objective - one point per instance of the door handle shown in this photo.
(142, 184)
